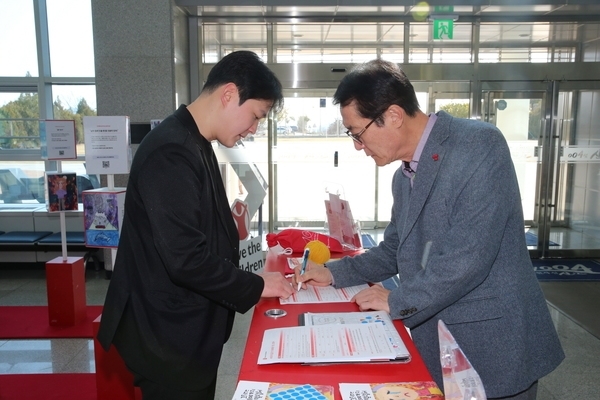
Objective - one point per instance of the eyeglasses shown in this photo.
(356, 137)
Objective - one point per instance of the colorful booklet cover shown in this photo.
(391, 391)
(252, 390)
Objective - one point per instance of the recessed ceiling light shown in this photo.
(524, 35)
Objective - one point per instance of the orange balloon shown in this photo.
(319, 252)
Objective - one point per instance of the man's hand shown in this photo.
(373, 298)
(315, 274)
(276, 285)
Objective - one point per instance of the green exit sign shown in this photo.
(443, 29)
(443, 9)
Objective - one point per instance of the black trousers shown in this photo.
(154, 391)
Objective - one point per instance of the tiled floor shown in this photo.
(575, 378)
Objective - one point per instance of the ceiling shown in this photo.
(392, 10)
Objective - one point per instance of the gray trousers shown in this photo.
(527, 394)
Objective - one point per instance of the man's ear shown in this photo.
(396, 115)
(229, 92)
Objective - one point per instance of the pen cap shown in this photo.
(306, 252)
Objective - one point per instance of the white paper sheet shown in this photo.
(323, 294)
(363, 317)
(326, 344)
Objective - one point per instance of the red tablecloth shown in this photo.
(331, 374)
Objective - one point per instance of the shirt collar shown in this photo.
(410, 168)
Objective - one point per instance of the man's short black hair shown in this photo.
(375, 86)
(250, 74)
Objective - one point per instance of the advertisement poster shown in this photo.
(61, 192)
(58, 139)
(107, 145)
(103, 216)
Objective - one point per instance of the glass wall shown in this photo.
(341, 42)
(50, 75)
(304, 148)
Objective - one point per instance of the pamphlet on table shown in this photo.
(253, 390)
(326, 344)
(395, 390)
(366, 317)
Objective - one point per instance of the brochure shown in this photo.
(395, 390)
(252, 390)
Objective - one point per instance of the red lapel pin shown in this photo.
(435, 157)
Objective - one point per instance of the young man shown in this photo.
(176, 284)
(456, 237)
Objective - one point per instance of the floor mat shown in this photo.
(556, 269)
(532, 240)
(368, 241)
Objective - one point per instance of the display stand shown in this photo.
(65, 283)
(110, 180)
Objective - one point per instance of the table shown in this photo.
(332, 374)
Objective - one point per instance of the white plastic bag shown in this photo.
(461, 381)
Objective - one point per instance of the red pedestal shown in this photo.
(113, 379)
(65, 281)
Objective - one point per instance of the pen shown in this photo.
(304, 262)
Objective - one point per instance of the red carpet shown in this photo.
(48, 387)
(32, 322)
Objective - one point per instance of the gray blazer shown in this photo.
(463, 219)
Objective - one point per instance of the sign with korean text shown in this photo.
(58, 140)
(107, 144)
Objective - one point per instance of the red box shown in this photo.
(65, 281)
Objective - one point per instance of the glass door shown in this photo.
(555, 149)
(519, 116)
(572, 219)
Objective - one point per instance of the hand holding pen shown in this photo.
(303, 269)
